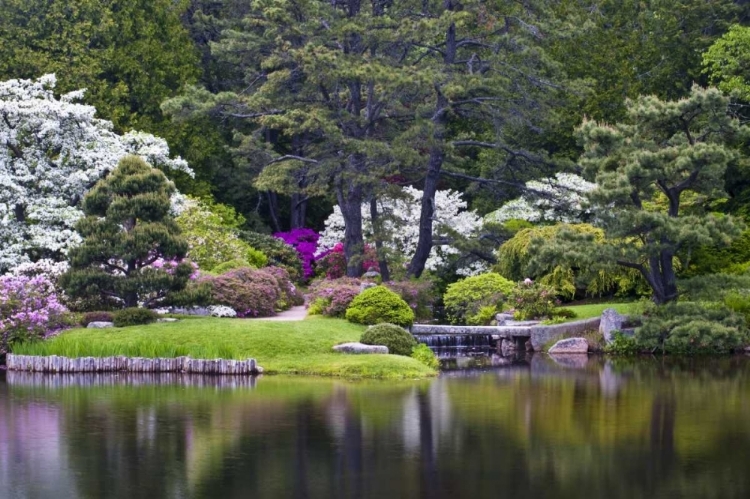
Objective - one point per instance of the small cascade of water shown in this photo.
(457, 340)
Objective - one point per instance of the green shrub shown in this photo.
(379, 304)
(418, 293)
(564, 313)
(398, 340)
(423, 354)
(133, 317)
(96, 317)
(692, 328)
(622, 345)
(739, 303)
(277, 251)
(533, 300)
(465, 298)
(225, 267)
(484, 317)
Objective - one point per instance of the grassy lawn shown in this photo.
(596, 309)
(301, 347)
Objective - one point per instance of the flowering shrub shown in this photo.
(400, 222)
(379, 304)
(332, 297)
(332, 263)
(418, 294)
(253, 292)
(55, 149)
(278, 252)
(29, 309)
(533, 300)
(171, 266)
(221, 311)
(305, 241)
(465, 299)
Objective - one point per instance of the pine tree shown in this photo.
(127, 235)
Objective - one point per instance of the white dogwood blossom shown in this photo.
(400, 221)
(558, 199)
(52, 150)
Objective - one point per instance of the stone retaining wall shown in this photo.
(55, 364)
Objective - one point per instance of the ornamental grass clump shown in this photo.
(29, 310)
(379, 304)
(398, 340)
(332, 297)
(466, 299)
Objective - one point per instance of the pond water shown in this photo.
(529, 429)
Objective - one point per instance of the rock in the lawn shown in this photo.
(570, 345)
(360, 348)
(100, 324)
(610, 322)
(167, 319)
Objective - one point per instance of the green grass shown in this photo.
(596, 309)
(301, 347)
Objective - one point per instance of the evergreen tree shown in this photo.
(129, 238)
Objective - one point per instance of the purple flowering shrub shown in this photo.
(253, 292)
(29, 309)
(419, 294)
(305, 241)
(332, 297)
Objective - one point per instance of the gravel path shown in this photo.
(293, 314)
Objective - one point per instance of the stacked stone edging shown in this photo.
(55, 364)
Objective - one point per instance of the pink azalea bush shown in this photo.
(29, 309)
(253, 292)
(305, 241)
(332, 297)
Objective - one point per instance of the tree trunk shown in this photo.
(298, 208)
(349, 195)
(660, 275)
(273, 210)
(377, 231)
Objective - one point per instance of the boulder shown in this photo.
(610, 322)
(570, 345)
(358, 348)
(503, 318)
(100, 325)
(167, 319)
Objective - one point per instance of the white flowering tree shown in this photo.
(557, 199)
(400, 227)
(52, 150)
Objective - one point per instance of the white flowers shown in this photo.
(400, 218)
(51, 152)
(221, 311)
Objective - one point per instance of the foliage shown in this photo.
(645, 171)
(379, 304)
(29, 309)
(423, 354)
(279, 253)
(210, 231)
(692, 328)
(738, 303)
(302, 347)
(134, 317)
(712, 287)
(418, 293)
(332, 297)
(465, 298)
(99, 316)
(516, 261)
(332, 263)
(726, 62)
(305, 241)
(56, 150)
(400, 228)
(127, 229)
(398, 340)
(253, 292)
(225, 267)
(533, 300)
(622, 344)
(483, 317)
(564, 313)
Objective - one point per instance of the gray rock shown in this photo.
(570, 345)
(201, 311)
(357, 348)
(366, 285)
(610, 322)
(503, 318)
(100, 325)
(167, 319)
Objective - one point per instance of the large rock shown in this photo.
(610, 322)
(100, 325)
(570, 345)
(503, 318)
(358, 348)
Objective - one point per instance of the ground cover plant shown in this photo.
(301, 347)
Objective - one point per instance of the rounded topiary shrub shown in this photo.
(465, 299)
(398, 340)
(134, 317)
(96, 317)
(379, 304)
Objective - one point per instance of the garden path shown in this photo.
(293, 314)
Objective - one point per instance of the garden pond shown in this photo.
(528, 428)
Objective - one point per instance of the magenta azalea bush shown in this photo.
(332, 263)
(305, 241)
(29, 309)
(332, 297)
(253, 292)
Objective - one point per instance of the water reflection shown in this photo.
(536, 428)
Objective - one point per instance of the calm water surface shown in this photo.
(646, 429)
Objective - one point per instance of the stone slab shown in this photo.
(100, 325)
(570, 346)
(360, 348)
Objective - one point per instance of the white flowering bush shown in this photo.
(558, 199)
(221, 311)
(400, 216)
(52, 150)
